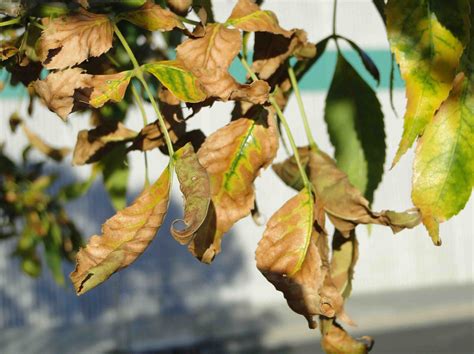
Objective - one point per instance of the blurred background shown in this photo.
(408, 294)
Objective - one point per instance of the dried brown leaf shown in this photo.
(92, 144)
(124, 238)
(195, 186)
(153, 17)
(338, 341)
(39, 144)
(179, 6)
(248, 16)
(70, 40)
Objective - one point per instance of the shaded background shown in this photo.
(408, 294)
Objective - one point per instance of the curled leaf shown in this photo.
(247, 16)
(233, 157)
(443, 174)
(153, 17)
(338, 341)
(7, 50)
(108, 88)
(179, 6)
(91, 144)
(428, 51)
(125, 236)
(345, 252)
(177, 79)
(195, 186)
(56, 154)
(69, 40)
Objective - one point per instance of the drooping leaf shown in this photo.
(209, 57)
(233, 157)
(7, 50)
(177, 79)
(272, 50)
(443, 175)
(288, 256)
(58, 88)
(153, 17)
(247, 16)
(195, 186)
(92, 144)
(356, 128)
(69, 40)
(289, 172)
(115, 172)
(124, 237)
(366, 60)
(179, 6)
(427, 47)
(108, 88)
(57, 154)
(338, 341)
(345, 252)
(344, 203)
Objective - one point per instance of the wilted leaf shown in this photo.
(428, 52)
(92, 144)
(233, 157)
(153, 17)
(7, 50)
(345, 252)
(289, 172)
(247, 16)
(338, 341)
(124, 237)
(151, 136)
(206, 5)
(288, 256)
(195, 186)
(56, 154)
(108, 88)
(272, 50)
(443, 174)
(344, 203)
(177, 79)
(209, 58)
(69, 40)
(355, 123)
(57, 90)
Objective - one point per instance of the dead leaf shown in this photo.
(209, 58)
(345, 252)
(7, 50)
(153, 17)
(124, 238)
(272, 50)
(233, 157)
(338, 341)
(92, 144)
(57, 154)
(181, 7)
(70, 40)
(195, 186)
(247, 16)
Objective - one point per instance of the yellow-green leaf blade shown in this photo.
(124, 237)
(195, 186)
(153, 17)
(108, 88)
(428, 46)
(444, 162)
(181, 82)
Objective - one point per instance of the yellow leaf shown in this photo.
(125, 236)
(444, 162)
(428, 53)
(69, 40)
(153, 17)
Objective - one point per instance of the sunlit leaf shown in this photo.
(248, 17)
(125, 236)
(338, 341)
(7, 50)
(152, 17)
(180, 81)
(69, 40)
(345, 252)
(209, 57)
(92, 144)
(195, 186)
(356, 128)
(233, 157)
(179, 6)
(108, 88)
(427, 38)
(443, 175)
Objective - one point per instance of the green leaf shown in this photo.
(195, 186)
(53, 250)
(444, 162)
(427, 38)
(125, 236)
(115, 172)
(356, 128)
(181, 82)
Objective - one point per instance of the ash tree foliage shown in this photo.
(101, 57)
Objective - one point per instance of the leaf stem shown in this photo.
(334, 17)
(188, 21)
(285, 125)
(139, 75)
(304, 117)
(12, 21)
(139, 103)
